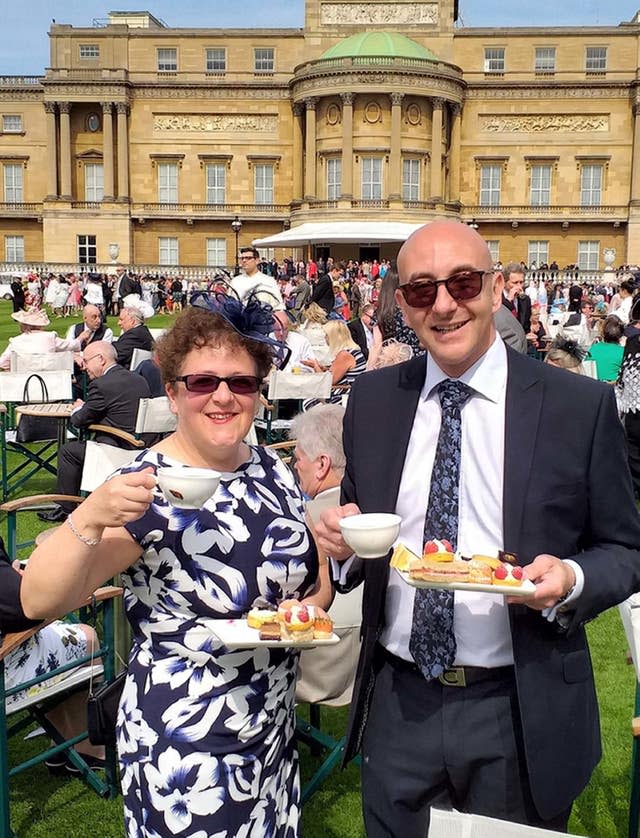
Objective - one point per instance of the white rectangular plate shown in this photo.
(236, 634)
(526, 589)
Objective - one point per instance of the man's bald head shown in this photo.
(92, 317)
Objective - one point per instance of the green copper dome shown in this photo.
(388, 44)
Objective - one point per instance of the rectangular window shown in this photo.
(167, 250)
(264, 59)
(494, 250)
(93, 182)
(217, 253)
(494, 60)
(216, 60)
(588, 255)
(334, 178)
(596, 59)
(167, 60)
(410, 179)
(490, 182)
(89, 51)
(14, 248)
(11, 123)
(540, 186)
(371, 178)
(545, 61)
(591, 186)
(13, 192)
(263, 183)
(167, 183)
(87, 250)
(538, 253)
(216, 183)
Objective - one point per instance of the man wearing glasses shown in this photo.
(465, 699)
(112, 399)
(253, 281)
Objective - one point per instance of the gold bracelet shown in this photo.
(90, 542)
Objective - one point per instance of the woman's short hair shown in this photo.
(319, 431)
(315, 314)
(195, 328)
(338, 336)
(612, 329)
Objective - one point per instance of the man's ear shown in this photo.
(324, 466)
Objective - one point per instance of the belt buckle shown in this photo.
(453, 677)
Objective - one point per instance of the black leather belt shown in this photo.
(456, 676)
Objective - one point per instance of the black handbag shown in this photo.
(102, 710)
(36, 428)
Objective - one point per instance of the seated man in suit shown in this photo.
(135, 335)
(362, 329)
(92, 326)
(112, 399)
(462, 699)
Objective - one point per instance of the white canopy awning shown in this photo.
(328, 232)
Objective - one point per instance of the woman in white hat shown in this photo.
(32, 340)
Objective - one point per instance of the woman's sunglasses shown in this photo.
(241, 385)
(463, 285)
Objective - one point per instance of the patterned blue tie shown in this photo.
(432, 642)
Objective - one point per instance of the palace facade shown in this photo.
(142, 144)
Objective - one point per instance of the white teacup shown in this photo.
(188, 488)
(371, 535)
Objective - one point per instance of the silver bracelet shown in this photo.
(90, 542)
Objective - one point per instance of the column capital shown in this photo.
(107, 107)
(298, 109)
(64, 107)
(311, 103)
(396, 98)
(121, 108)
(49, 107)
(437, 103)
(347, 98)
(455, 108)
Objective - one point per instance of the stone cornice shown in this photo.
(82, 90)
(280, 93)
(422, 84)
(533, 90)
(544, 32)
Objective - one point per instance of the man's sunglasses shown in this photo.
(463, 285)
(241, 385)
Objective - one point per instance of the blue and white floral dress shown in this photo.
(205, 733)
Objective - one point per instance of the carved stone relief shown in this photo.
(535, 123)
(372, 113)
(378, 13)
(413, 114)
(542, 93)
(333, 114)
(214, 123)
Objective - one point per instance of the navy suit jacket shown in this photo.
(567, 492)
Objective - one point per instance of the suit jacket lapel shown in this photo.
(522, 414)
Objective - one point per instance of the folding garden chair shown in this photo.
(453, 824)
(287, 386)
(629, 611)
(139, 355)
(41, 362)
(36, 456)
(45, 692)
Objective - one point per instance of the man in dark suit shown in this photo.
(514, 298)
(323, 290)
(362, 329)
(112, 399)
(509, 728)
(135, 335)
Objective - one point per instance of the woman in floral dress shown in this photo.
(205, 733)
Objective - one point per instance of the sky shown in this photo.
(24, 45)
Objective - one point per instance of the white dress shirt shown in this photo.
(481, 621)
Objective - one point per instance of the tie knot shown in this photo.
(453, 393)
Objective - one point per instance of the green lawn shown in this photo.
(45, 807)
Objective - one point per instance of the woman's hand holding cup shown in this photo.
(124, 498)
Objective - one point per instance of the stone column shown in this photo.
(107, 151)
(123, 151)
(297, 153)
(454, 158)
(52, 150)
(65, 150)
(310, 151)
(436, 150)
(395, 159)
(346, 186)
